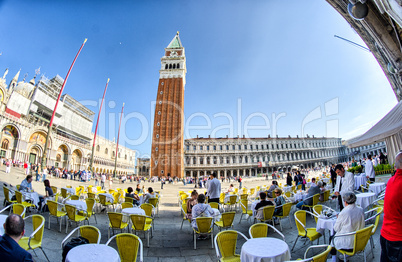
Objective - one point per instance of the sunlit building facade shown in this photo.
(253, 156)
(25, 112)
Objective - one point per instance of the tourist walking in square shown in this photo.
(213, 188)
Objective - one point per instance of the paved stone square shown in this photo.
(169, 243)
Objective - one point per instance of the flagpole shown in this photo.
(96, 129)
(117, 145)
(45, 149)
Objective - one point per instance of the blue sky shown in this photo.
(276, 59)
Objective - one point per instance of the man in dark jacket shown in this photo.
(9, 248)
(333, 175)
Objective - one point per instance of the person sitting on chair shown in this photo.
(311, 192)
(26, 184)
(138, 189)
(272, 188)
(132, 195)
(350, 219)
(279, 201)
(191, 203)
(201, 210)
(230, 189)
(9, 248)
(262, 203)
(149, 195)
(48, 193)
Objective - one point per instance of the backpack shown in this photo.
(77, 241)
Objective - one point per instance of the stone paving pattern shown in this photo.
(169, 243)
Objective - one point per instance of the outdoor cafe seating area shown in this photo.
(235, 232)
(74, 211)
(266, 240)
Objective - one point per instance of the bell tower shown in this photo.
(167, 155)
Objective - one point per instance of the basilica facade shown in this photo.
(25, 112)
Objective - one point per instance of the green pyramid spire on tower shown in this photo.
(175, 43)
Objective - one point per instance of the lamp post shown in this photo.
(45, 149)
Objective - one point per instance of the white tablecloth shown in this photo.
(133, 211)
(93, 253)
(365, 199)
(217, 214)
(325, 223)
(142, 199)
(77, 203)
(265, 249)
(299, 196)
(2, 221)
(377, 187)
(287, 189)
(109, 197)
(31, 196)
(308, 184)
(325, 180)
(360, 180)
(253, 204)
(71, 191)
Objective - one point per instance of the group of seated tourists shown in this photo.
(135, 195)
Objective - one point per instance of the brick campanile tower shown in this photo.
(167, 138)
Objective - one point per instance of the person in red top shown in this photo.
(391, 231)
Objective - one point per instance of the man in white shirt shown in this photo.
(345, 182)
(369, 169)
(213, 188)
(349, 220)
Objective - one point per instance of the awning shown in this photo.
(389, 125)
(388, 129)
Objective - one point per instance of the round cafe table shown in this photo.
(360, 180)
(2, 221)
(217, 214)
(253, 204)
(287, 189)
(377, 187)
(266, 249)
(227, 198)
(133, 211)
(93, 253)
(299, 196)
(365, 199)
(109, 197)
(33, 196)
(77, 203)
(71, 191)
(325, 223)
